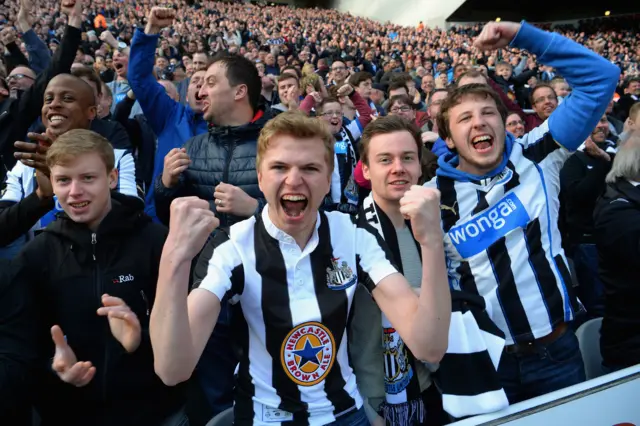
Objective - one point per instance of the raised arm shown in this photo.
(156, 105)
(39, 56)
(593, 80)
(422, 321)
(31, 101)
(180, 323)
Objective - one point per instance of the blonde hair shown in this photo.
(74, 143)
(297, 125)
(626, 164)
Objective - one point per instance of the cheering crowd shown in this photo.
(311, 217)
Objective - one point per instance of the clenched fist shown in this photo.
(176, 162)
(190, 225)
(421, 205)
(496, 35)
(159, 18)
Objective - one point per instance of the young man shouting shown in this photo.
(499, 207)
(293, 272)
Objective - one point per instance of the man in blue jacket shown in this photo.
(499, 208)
(172, 122)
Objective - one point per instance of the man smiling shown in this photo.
(500, 207)
(292, 273)
(29, 202)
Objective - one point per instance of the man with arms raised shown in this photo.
(172, 122)
(293, 272)
(499, 208)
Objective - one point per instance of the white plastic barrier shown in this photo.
(610, 400)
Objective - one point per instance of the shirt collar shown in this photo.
(282, 236)
(633, 182)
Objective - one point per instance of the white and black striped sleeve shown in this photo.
(373, 258)
(225, 274)
(126, 173)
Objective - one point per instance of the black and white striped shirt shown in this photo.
(294, 305)
(502, 240)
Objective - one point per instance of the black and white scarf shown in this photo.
(467, 375)
(403, 404)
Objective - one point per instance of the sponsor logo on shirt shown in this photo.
(480, 232)
(341, 147)
(308, 353)
(340, 276)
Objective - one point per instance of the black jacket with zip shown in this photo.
(224, 154)
(70, 268)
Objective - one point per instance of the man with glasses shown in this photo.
(543, 101)
(339, 73)
(20, 79)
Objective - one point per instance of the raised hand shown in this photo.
(190, 225)
(175, 162)
(65, 363)
(159, 18)
(345, 90)
(123, 322)
(422, 206)
(496, 35)
(231, 199)
(108, 38)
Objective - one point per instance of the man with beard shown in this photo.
(172, 122)
(17, 115)
(582, 180)
(28, 204)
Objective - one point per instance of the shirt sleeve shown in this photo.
(224, 276)
(373, 256)
(127, 176)
(13, 191)
(336, 187)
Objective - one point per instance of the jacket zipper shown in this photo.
(225, 175)
(146, 302)
(99, 292)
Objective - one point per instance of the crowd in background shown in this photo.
(163, 93)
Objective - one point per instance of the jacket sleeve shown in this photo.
(522, 78)
(119, 137)
(163, 197)
(18, 214)
(511, 105)
(363, 109)
(30, 105)
(17, 340)
(39, 56)
(618, 233)
(157, 106)
(578, 182)
(591, 76)
(15, 58)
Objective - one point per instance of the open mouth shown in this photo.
(56, 119)
(335, 122)
(79, 207)
(399, 182)
(198, 97)
(118, 66)
(482, 143)
(294, 205)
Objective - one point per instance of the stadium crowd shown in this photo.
(348, 222)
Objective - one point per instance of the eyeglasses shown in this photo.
(401, 109)
(332, 114)
(18, 77)
(545, 98)
(515, 122)
(338, 69)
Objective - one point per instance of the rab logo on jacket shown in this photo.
(477, 234)
(123, 279)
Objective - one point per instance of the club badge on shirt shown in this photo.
(308, 353)
(340, 276)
